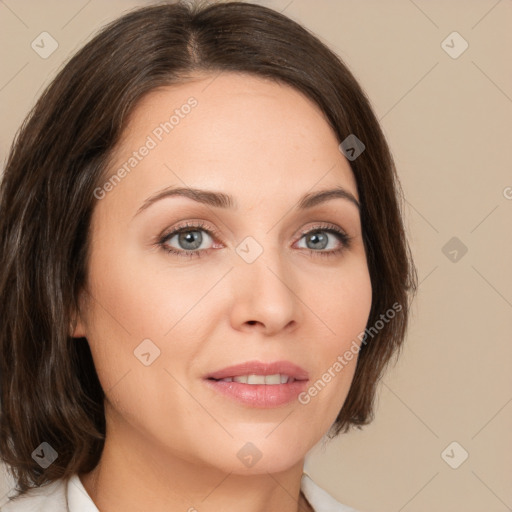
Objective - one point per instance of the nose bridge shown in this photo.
(263, 284)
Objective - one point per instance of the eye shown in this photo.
(190, 239)
(318, 239)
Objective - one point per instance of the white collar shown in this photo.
(321, 500)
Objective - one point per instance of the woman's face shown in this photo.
(245, 285)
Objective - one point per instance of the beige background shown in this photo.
(449, 123)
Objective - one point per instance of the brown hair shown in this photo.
(50, 391)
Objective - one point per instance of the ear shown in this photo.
(77, 327)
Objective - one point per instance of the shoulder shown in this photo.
(63, 495)
(321, 500)
(47, 497)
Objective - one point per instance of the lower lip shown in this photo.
(259, 395)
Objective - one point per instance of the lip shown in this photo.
(261, 396)
(260, 368)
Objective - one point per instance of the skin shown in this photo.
(171, 441)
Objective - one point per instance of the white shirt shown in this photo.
(70, 496)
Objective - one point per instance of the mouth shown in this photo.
(256, 372)
(253, 379)
(257, 384)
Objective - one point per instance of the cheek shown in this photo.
(137, 298)
(343, 308)
(343, 305)
(135, 302)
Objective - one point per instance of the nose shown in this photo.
(265, 295)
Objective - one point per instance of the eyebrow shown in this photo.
(222, 200)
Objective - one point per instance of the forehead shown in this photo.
(234, 104)
(234, 132)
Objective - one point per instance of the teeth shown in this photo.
(261, 379)
(255, 379)
(273, 379)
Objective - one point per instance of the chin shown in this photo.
(254, 456)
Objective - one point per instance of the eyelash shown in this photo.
(200, 226)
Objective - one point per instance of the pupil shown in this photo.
(191, 237)
(318, 237)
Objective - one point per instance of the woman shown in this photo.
(204, 268)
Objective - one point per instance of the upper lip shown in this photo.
(261, 368)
